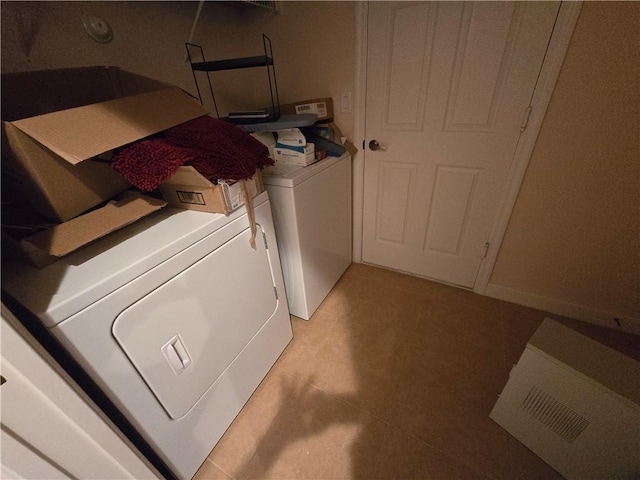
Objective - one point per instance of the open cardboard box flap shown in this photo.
(46, 247)
(80, 133)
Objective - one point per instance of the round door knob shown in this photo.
(374, 145)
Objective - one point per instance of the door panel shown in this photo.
(396, 189)
(483, 53)
(447, 87)
(408, 59)
(452, 196)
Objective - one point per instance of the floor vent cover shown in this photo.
(556, 416)
(576, 404)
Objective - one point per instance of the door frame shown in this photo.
(552, 63)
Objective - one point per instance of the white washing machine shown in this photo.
(176, 318)
(312, 212)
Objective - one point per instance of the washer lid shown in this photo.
(286, 175)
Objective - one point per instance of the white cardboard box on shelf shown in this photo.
(291, 138)
(295, 157)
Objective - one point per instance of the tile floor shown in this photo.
(392, 378)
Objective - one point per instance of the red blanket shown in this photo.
(217, 150)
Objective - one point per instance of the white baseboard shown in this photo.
(565, 309)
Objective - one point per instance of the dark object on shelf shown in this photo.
(265, 60)
(249, 117)
(250, 114)
(313, 135)
(285, 121)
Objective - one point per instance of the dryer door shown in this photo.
(183, 335)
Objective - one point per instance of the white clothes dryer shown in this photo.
(312, 211)
(176, 318)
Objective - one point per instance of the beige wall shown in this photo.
(574, 234)
(313, 44)
(318, 50)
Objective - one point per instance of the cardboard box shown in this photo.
(294, 156)
(323, 107)
(291, 138)
(188, 189)
(55, 122)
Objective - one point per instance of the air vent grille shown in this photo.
(556, 416)
(268, 4)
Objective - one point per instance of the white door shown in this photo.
(448, 86)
